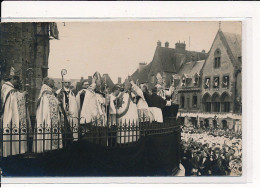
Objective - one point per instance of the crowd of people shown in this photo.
(211, 152)
(65, 110)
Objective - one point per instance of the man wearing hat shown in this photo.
(93, 105)
(127, 113)
(70, 106)
(14, 116)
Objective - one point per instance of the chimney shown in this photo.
(180, 47)
(141, 66)
(166, 44)
(159, 44)
(203, 51)
(119, 80)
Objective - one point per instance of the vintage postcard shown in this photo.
(121, 99)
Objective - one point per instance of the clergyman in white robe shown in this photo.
(15, 121)
(127, 119)
(72, 110)
(144, 113)
(92, 111)
(47, 118)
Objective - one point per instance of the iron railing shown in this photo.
(26, 140)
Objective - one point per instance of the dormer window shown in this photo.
(217, 59)
(196, 80)
(183, 81)
(207, 83)
(216, 82)
(225, 82)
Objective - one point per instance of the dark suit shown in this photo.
(154, 100)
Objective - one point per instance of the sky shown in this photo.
(117, 47)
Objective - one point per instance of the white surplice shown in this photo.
(47, 118)
(126, 116)
(79, 105)
(72, 115)
(92, 111)
(112, 110)
(144, 112)
(15, 121)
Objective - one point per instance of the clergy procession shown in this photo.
(61, 113)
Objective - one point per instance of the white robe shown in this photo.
(47, 117)
(126, 114)
(72, 112)
(78, 100)
(144, 112)
(112, 110)
(14, 116)
(92, 111)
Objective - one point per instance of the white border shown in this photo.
(174, 11)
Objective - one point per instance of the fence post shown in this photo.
(120, 131)
(19, 137)
(79, 129)
(11, 138)
(2, 137)
(129, 131)
(59, 133)
(51, 134)
(36, 134)
(43, 132)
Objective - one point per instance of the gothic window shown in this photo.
(225, 82)
(188, 103)
(216, 103)
(182, 101)
(216, 82)
(194, 101)
(217, 59)
(226, 102)
(207, 103)
(207, 83)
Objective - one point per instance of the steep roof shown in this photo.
(191, 68)
(234, 42)
(141, 76)
(171, 60)
(167, 59)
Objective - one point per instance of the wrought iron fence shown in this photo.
(30, 140)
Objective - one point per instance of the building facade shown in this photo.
(188, 84)
(209, 84)
(221, 84)
(25, 47)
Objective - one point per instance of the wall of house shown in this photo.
(188, 105)
(226, 68)
(23, 46)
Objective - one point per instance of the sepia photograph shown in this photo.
(121, 99)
